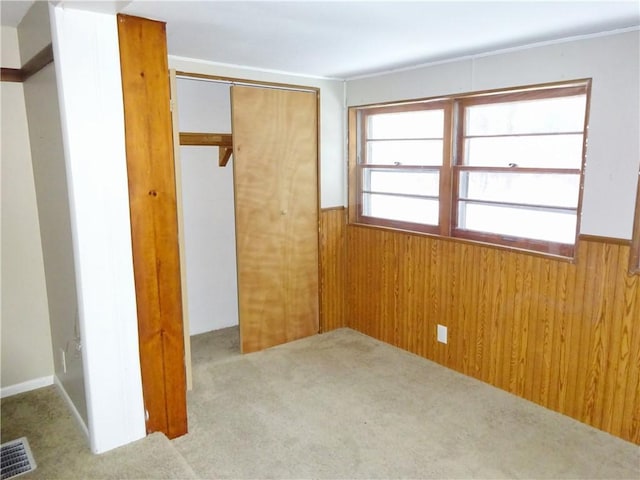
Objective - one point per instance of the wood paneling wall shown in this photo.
(333, 275)
(566, 336)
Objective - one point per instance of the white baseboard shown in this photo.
(72, 407)
(26, 386)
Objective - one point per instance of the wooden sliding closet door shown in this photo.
(275, 158)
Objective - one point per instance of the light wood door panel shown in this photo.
(276, 199)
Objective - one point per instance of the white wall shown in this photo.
(26, 357)
(332, 124)
(613, 61)
(90, 96)
(47, 155)
(209, 222)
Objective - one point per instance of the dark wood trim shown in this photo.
(468, 241)
(322, 324)
(587, 88)
(437, 103)
(520, 243)
(224, 155)
(352, 158)
(446, 174)
(11, 75)
(328, 209)
(481, 93)
(243, 81)
(40, 60)
(531, 93)
(602, 239)
(206, 139)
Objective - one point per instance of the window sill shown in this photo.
(468, 241)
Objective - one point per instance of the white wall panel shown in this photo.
(90, 95)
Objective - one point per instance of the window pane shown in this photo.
(518, 222)
(418, 124)
(405, 152)
(546, 151)
(533, 189)
(405, 209)
(407, 182)
(563, 114)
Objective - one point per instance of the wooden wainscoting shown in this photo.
(333, 277)
(566, 336)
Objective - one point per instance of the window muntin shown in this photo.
(499, 167)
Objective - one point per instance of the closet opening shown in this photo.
(248, 229)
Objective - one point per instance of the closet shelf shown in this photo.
(222, 140)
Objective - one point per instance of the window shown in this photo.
(499, 167)
(402, 152)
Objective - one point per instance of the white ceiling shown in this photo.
(343, 39)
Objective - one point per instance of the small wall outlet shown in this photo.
(442, 334)
(63, 359)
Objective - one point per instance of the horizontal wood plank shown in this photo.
(206, 139)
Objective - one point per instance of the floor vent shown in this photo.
(16, 458)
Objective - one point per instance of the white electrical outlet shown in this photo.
(63, 357)
(442, 333)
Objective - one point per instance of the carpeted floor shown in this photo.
(342, 405)
(338, 405)
(61, 451)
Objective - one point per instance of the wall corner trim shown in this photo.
(72, 407)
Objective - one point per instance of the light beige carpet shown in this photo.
(342, 405)
(338, 405)
(61, 450)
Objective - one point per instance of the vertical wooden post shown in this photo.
(154, 231)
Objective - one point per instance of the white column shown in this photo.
(90, 93)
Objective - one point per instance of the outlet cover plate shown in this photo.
(442, 334)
